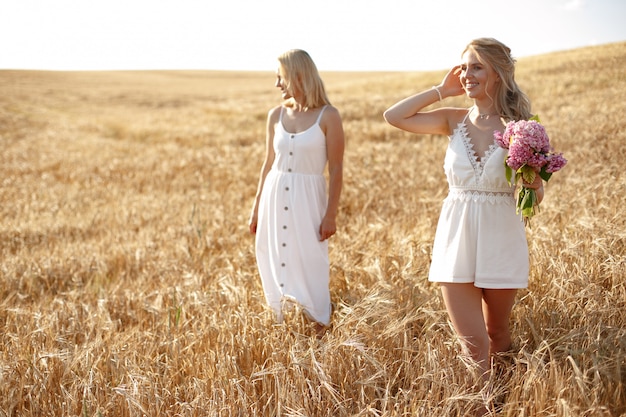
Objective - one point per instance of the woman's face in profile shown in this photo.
(281, 84)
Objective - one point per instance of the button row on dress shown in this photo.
(291, 149)
(285, 226)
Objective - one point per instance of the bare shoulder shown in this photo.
(331, 123)
(330, 109)
(455, 115)
(274, 114)
(331, 115)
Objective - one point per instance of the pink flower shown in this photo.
(555, 162)
(500, 140)
(530, 154)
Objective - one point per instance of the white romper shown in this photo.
(479, 237)
(293, 263)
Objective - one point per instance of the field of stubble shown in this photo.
(128, 285)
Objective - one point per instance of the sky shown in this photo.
(340, 35)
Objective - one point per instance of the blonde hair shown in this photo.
(510, 101)
(300, 73)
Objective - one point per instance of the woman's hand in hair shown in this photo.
(451, 85)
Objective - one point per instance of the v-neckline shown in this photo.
(478, 163)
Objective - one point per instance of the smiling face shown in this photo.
(478, 79)
(282, 84)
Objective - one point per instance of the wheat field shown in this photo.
(129, 285)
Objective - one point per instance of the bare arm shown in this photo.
(272, 119)
(335, 145)
(407, 114)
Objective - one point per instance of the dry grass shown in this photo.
(129, 285)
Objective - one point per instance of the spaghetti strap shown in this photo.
(320, 116)
(466, 116)
(280, 118)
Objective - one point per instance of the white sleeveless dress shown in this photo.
(479, 238)
(293, 263)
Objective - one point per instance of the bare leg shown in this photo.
(481, 319)
(464, 305)
(497, 306)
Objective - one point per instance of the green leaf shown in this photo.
(521, 200)
(544, 174)
(508, 171)
(535, 118)
(528, 174)
(528, 202)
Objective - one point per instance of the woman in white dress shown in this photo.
(480, 252)
(293, 214)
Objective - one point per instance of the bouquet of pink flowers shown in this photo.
(530, 154)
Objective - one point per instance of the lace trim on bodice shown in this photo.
(477, 164)
(480, 196)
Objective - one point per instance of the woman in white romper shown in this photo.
(293, 215)
(480, 253)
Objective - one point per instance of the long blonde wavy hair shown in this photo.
(509, 100)
(300, 73)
